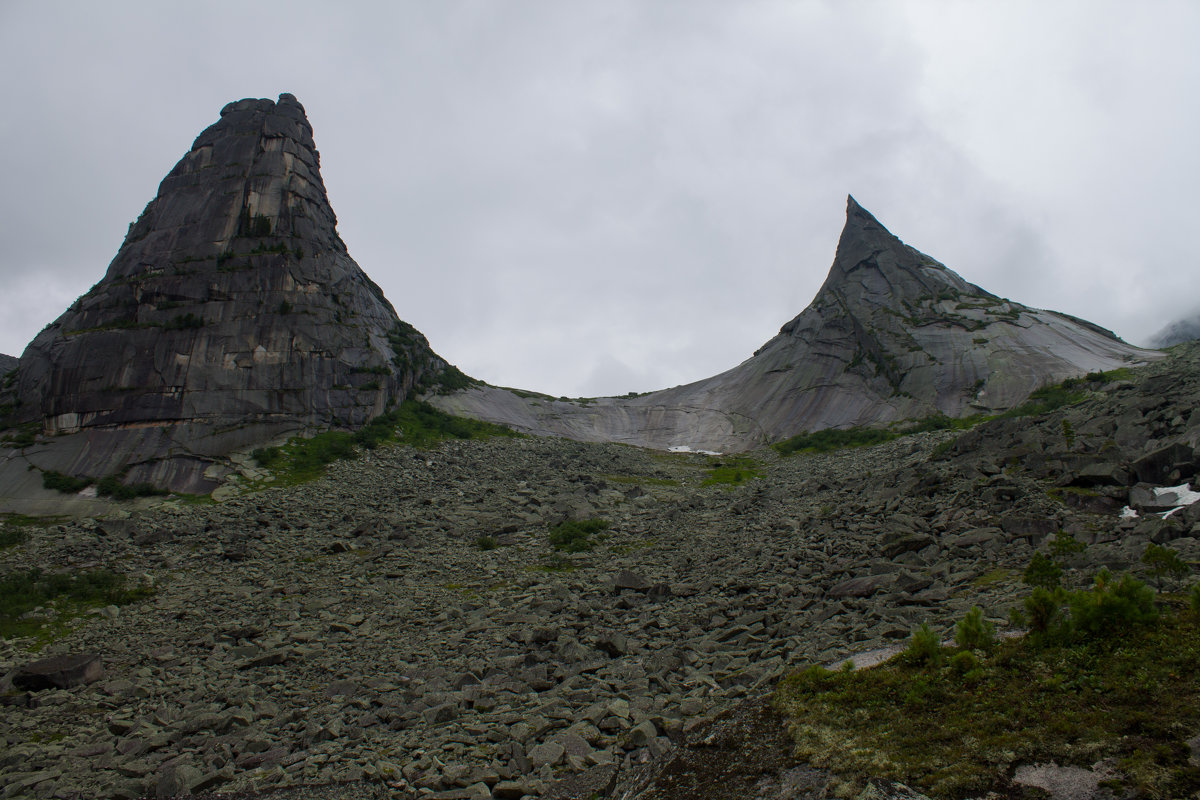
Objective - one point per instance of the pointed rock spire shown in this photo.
(231, 313)
(891, 335)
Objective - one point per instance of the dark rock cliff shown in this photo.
(891, 335)
(232, 312)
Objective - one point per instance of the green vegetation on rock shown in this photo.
(413, 422)
(732, 472)
(69, 594)
(574, 535)
(1110, 678)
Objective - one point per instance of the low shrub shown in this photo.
(266, 456)
(67, 484)
(832, 439)
(1112, 607)
(1064, 544)
(963, 662)
(111, 486)
(574, 536)
(11, 536)
(485, 543)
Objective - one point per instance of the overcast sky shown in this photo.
(599, 196)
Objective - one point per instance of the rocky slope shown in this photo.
(232, 313)
(7, 364)
(891, 335)
(351, 630)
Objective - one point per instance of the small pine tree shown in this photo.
(1043, 609)
(1042, 571)
(1065, 544)
(1163, 561)
(974, 631)
(925, 646)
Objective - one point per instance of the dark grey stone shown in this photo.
(59, 672)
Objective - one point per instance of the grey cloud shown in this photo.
(553, 192)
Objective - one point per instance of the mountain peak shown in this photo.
(231, 314)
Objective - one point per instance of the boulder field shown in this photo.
(402, 627)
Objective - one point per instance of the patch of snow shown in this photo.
(1128, 513)
(1181, 495)
(683, 448)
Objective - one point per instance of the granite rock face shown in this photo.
(7, 364)
(232, 313)
(891, 335)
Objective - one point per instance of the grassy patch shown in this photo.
(1049, 398)
(414, 422)
(732, 472)
(574, 535)
(1120, 684)
(993, 577)
(832, 439)
(70, 593)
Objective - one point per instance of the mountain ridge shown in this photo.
(892, 334)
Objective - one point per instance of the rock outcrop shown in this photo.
(7, 364)
(232, 313)
(891, 335)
